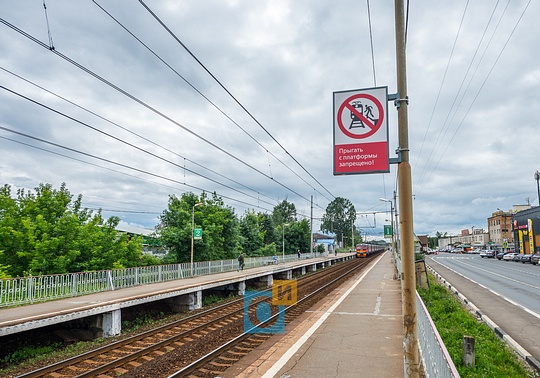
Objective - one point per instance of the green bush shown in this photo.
(493, 357)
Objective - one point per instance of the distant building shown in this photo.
(500, 227)
(477, 238)
(325, 240)
(422, 241)
(150, 244)
(526, 230)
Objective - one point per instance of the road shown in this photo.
(505, 291)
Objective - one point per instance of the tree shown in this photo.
(284, 212)
(46, 232)
(252, 235)
(268, 228)
(339, 216)
(220, 226)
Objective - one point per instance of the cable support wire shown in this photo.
(147, 106)
(51, 44)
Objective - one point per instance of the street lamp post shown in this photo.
(537, 178)
(283, 240)
(192, 231)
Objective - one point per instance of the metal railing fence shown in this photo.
(435, 357)
(26, 290)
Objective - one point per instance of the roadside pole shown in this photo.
(410, 329)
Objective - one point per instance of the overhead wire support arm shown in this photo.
(397, 100)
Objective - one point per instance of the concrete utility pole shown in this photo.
(410, 332)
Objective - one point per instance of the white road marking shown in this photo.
(496, 293)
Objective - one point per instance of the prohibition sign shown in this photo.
(374, 127)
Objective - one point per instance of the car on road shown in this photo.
(509, 256)
(517, 257)
(535, 259)
(526, 258)
(489, 253)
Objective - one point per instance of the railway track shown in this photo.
(203, 344)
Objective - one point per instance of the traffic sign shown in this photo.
(365, 113)
(361, 131)
(197, 233)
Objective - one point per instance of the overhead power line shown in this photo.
(115, 163)
(203, 96)
(127, 143)
(231, 95)
(147, 106)
(136, 134)
(125, 173)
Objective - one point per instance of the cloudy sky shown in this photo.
(131, 102)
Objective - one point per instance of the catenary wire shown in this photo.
(147, 106)
(231, 95)
(484, 82)
(115, 163)
(125, 173)
(126, 143)
(136, 134)
(450, 117)
(203, 95)
(442, 83)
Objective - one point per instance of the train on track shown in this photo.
(365, 250)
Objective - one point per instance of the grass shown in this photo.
(493, 357)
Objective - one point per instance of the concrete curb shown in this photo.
(533, 362)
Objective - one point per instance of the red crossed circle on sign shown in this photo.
(374, 127)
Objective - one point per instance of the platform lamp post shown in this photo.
(283, 240)
(193, 231)
(537, 178)
(391, 218)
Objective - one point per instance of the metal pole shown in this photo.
(352, 235)
(283, 242)
(311, 230)
(396, 223)
(537, 177)
(410, 332)
(283, 246)
(192, 231)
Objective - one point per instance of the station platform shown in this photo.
(109, 303)
(357, 332)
